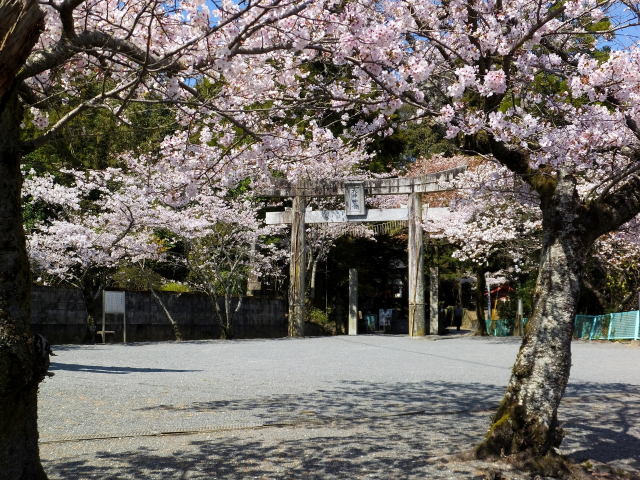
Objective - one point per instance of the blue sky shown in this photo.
(630, 35)
(623, 39)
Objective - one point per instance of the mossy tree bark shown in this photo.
(21, 366)
(21, 369)
(526, 422)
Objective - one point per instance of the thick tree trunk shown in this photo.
(526, 422)
(21, 369)
(21, 22)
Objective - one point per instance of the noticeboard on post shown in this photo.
(114, 302)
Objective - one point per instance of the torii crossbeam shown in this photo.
(355, 211)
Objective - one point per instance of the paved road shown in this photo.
(339, 407)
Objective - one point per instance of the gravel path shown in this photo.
(338, 407)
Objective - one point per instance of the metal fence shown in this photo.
(611, 326)
(503, 327)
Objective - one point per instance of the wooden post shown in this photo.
(433, 300)
(297, 267)
(416, 267)
(353, 301)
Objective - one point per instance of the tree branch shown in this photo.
(21, 22)
(613, 210)
(38, 141)
(66, 48)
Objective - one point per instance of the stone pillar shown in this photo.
(253, 282)
(518, 326)
(353, 301)
(297, 266)
(416, 266)
(433, 301)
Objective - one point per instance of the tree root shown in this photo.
(514, 433)
(525, 466)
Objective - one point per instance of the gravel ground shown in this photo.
(338, 407)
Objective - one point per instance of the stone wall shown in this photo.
(60, 315)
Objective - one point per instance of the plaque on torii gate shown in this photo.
(354, 204)
(355, 211)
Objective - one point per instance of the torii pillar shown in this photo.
(414, 187)
(416, 267)
(297, 267)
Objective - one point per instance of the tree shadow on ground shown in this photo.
(74, 367)
(205, 341)
(601, 423)
(355, 399)
(358, 430)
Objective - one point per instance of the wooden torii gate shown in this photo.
(354, 192)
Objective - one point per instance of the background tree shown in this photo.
(611, 276)
(99, 221)
(471, 68)
(221, 261)
(495, 225)
(146, 53)
(467, 68)
(109, 219)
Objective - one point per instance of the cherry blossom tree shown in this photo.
(103, 220)
(519, 81)
(221, 262)
(523, 83)
(97, 228)
(494, 222)
(106, 219)
(613, 274)
(226, 67)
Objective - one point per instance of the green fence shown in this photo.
(503, 327)
(611, 326)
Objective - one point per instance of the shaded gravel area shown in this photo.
(340, 407)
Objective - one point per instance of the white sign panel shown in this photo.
(114, 302)
(354, 198)
(438, 214)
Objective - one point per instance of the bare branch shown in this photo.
(93, 102)
(89, 40)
